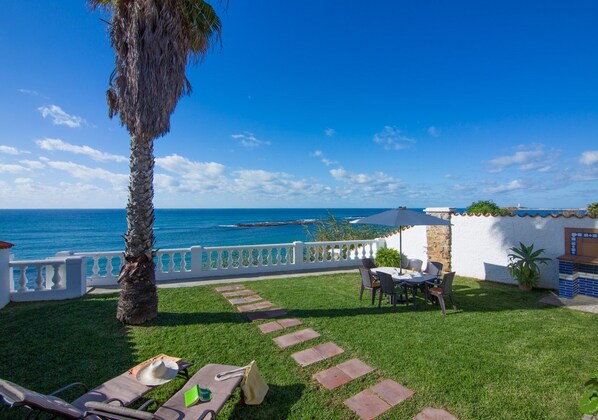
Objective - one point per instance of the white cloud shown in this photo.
(29, 92)
(433, 131)
(57, 144)
(194, 176)
(589, 157)
(59, 117)
(118, 181)
(329, 162)
(318, 153)
(511, 186)
(392, 139)
(23, 180)
(276, 184)
(377, 183)
(12, 168)
(9, 150)
(330, 132)
(249, 141)
(526, 158)
(183, 166)
(325, 161)
(33, 164)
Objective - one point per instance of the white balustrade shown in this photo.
(38, 275)
(221, 261)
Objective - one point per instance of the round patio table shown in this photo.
(413, 279)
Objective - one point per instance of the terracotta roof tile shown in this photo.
(6, 245)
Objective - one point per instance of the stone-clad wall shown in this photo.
(439, 239)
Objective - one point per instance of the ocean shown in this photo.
(41, 233)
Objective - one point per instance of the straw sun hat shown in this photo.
(158, 372)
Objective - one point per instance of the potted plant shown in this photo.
(524, 265)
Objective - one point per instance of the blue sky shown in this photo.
(317, 104)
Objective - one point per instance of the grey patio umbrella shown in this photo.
(401, 217)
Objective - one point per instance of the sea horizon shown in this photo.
(40, 233)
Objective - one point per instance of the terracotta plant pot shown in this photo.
(525, 288)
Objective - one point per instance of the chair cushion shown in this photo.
(14, 394)
(376, 283)
(435, 290)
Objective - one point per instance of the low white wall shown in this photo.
(480, 244)
(5, 277)
(415, 244)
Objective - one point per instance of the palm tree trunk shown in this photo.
(138, 300)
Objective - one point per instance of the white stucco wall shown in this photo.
(5, 277)
(480, 244)
(414, 243)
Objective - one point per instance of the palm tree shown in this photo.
(152, 41)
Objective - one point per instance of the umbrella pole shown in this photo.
(400, 250)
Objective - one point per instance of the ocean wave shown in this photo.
(282, 223)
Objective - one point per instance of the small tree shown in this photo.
(487, 207)
(331, 229)
(593, 210)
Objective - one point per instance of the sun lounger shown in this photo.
(174, 408)
(122, 390)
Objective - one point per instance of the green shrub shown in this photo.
(593, 209)
(524, 264)
(487, 207)
(589, 400)
(390, 257)
(332, 229)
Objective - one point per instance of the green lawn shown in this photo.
(501, 355)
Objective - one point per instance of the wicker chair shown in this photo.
(368, 282)
(445, 289)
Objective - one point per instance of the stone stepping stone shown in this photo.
(255, 306)
(272, 313)
(297, 337)
(392, 392)
(430, 413)
(343, 373)
(229, 288)
(367, 405)
(376, 400)
(248, 299)
(279, 325)
(246, 292)
(317, 354)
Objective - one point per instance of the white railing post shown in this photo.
(75, 276)
(5, 276)
(196, 260)
(298, 247)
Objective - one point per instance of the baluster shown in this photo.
(160, 263)
(229, 259)
(95, 271)
(39, 279)
(250, 257)
(170, 262)
(109, 266)
(56, 279)
(209, 260)
(22, 278)
(183, 261)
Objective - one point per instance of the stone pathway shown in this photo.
(281, 324)
(296, 337)
(367, 404)
(343, 373)
(316, 354)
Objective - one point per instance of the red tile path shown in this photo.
(377, 399)
(343, 373)
(255, 306)
(367, 405)
(248, 299)
(297, 337)
(316, 354)
(246, 292)
(279, 325)
(260, 316)
(229, 288)
(430, 413)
